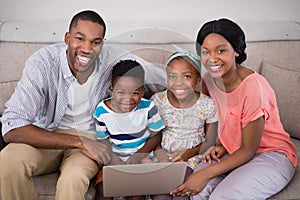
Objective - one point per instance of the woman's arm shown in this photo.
(251, 136)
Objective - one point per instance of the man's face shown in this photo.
(84, 45)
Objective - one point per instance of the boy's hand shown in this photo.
(161, 155)
(115, 160)
(136, 158)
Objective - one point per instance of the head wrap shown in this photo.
(184, 53)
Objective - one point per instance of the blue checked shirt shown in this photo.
(41, 95)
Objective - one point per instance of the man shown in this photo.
(48, 120)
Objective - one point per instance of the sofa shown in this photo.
(273, 53)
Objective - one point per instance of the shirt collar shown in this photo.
(67, 73)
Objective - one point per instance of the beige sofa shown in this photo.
(274, 54)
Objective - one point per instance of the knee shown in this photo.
(227, 193)
(13, 161)
(73, 175)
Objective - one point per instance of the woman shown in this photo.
(254, 157)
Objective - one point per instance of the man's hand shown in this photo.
(96, 150)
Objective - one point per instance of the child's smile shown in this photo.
(127, 93)
(183, 78)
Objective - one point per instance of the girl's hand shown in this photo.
(193, 185)
(215, 153)
(178, 156)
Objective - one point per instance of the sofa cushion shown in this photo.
(6, 90)
(46, 187)
(286, 84)
(291, 191)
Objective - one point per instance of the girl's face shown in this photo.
(127, 92)
(217, 55)
(182, 78)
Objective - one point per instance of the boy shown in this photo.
(129, 122)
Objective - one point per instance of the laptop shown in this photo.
(142, 179)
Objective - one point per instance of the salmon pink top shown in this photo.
(252, 99)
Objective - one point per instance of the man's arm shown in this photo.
(38, 137)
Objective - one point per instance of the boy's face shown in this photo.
(84, 45)
(127, 93)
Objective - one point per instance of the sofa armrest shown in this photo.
(2, 142)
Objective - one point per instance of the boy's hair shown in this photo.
(88, 15)
(128, 68)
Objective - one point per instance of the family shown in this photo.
(83, 104)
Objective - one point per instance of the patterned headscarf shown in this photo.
(184, 53)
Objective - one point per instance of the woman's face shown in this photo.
(217, 55)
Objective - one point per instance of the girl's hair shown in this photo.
(128, 68)
(88, 15)
(230, 31)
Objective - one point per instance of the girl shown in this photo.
(185, 112)
(254, 157)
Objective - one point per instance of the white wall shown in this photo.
(184, 16)
(152, 9)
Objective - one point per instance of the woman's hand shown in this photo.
(215, 153)
(193, 185)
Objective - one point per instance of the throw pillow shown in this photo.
(286, 84)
